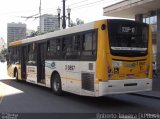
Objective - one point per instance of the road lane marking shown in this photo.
(3, 89)
(1, 98)
(1, 92)
(7, 90)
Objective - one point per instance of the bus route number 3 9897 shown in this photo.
(69, 67)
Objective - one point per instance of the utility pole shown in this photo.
(40, 29)
(64, 16)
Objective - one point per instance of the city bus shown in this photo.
(110, 56)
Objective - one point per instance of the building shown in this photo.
(147, 11)
(16, 31)
(48, 23)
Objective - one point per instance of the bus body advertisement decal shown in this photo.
(51, 65)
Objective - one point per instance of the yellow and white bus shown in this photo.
(110, 56)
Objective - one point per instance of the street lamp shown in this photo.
(64, 17)
(58, 11)
(69, 11)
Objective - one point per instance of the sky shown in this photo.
(13, 10)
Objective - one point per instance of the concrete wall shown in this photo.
(139, 17)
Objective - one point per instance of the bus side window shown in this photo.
(87, 41)
(66, 46)
(48, 50)
(87, 44)
(73, 47)
(51, 49)
(12, 56)
(54, 49)
(31, 54)
(76, 43)
(94, 42)
(58, 48)
(9, 55)
(48, 47)
(15, 55)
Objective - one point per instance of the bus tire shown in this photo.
(56, 84)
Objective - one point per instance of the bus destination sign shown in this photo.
(128, 30)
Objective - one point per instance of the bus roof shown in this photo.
(71, 30)
(75, 29)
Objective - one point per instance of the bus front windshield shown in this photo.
(128, 38)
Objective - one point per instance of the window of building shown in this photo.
(152, 20)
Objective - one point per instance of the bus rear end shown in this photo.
(128, 58)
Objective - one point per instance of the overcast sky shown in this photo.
(12, 10)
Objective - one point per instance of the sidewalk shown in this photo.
(155, 93)
(3, 71)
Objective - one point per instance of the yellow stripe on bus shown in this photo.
(96, 82)
(70, 79)
(150, 53)
(101, 69)
(15, 43)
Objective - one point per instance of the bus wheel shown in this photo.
(56, 84)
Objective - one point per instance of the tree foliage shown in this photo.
(3, 54)
(78, 22)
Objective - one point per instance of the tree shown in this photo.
(72, 23)
(34, 33)
(3, 54)
(78, 22)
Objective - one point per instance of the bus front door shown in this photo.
(24, 61)
(41, 63)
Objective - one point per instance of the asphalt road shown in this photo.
(36, 102)
(22, 97)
